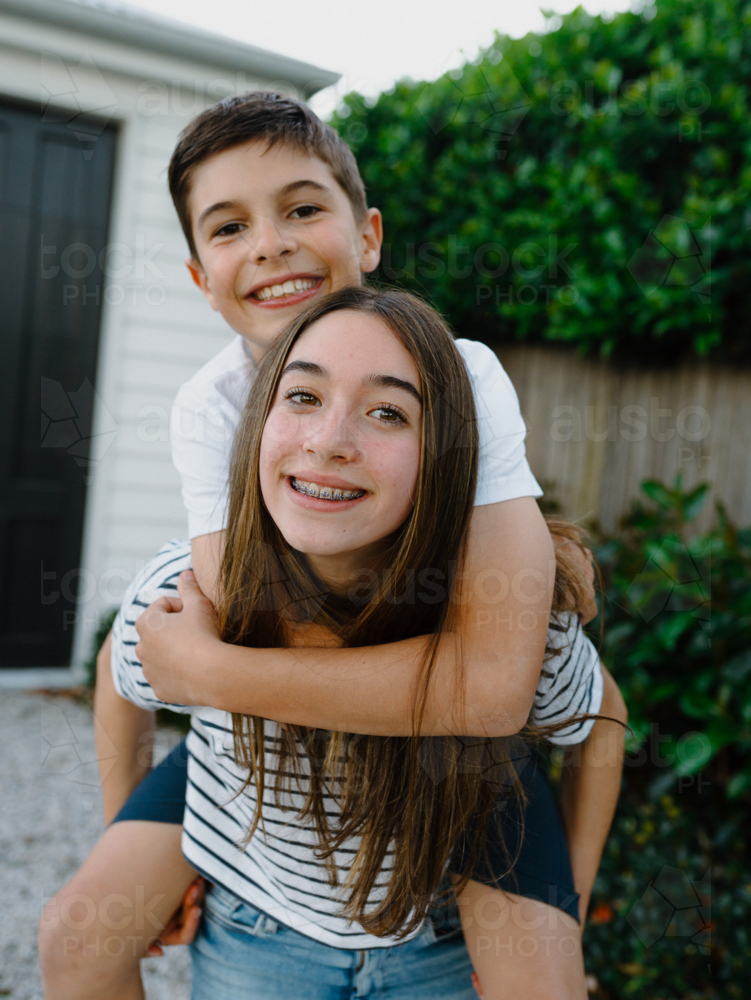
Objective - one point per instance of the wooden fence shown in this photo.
(596, 431)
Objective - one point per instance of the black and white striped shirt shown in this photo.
(278, 871)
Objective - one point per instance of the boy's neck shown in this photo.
(254, 350)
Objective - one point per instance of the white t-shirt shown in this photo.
(278, 871)
(208, 408)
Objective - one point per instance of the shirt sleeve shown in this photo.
(159, 577)
(503, 470)
(202, 431)
(570, 683)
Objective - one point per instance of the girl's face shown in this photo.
(340, 451)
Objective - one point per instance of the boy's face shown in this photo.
(273, 230)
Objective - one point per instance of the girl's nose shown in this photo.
(332, 437)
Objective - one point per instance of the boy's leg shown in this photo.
(95, 930)
(520, 925)
(521, 947)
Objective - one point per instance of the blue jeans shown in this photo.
(242, 954)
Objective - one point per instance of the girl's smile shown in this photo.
(323, 494)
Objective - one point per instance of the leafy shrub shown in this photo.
(678, 635)
(96, 644)
(520, 192)
(677, 617)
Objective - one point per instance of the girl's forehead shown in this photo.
(352, 341)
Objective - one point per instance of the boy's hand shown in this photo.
(177, 638)
(183, 926)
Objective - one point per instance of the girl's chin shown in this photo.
(317, 549)
(324, 553)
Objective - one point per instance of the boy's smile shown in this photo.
(273, 229)
(275, 294)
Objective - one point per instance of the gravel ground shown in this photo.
(51, 817)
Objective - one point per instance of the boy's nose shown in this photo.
(269, 241)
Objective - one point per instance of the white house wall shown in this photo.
(157, 329)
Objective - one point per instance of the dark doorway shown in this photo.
(54, 212)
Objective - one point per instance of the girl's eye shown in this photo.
(302, 397)
(305, 211)
(230, 229)
(389, 414)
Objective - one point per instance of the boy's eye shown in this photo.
(304, 211)
(230, 229)
(389, 414)
(301, 396)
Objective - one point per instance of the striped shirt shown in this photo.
(278, 872)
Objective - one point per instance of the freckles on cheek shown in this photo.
(281, 431)
(271, 455)
(397, 471)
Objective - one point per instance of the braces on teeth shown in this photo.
(325, 492)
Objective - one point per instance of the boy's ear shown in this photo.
(198, 275)
(371, 240)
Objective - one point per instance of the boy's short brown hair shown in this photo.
(268, 117)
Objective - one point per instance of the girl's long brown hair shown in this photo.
(414, 795)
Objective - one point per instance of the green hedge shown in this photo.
(96, 644)
(590, 185)
(677, 637)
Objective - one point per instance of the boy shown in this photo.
(274, 212)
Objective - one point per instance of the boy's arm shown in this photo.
(124, 704)
(206, 555)
(124, 755)
(589, 788)
(504, 607)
